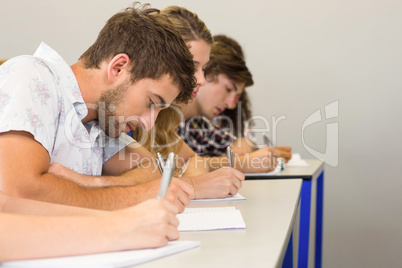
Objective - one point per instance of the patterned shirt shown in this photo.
(204, 137)
(39, 94)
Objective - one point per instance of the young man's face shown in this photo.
(217, 95)
(200, 51)
(129, 106)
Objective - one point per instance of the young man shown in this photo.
(53, 113)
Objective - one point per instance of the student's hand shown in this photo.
(217, 184)
(260, 161)
(283, 151)
(147, 225)
(180, 193)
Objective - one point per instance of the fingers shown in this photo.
(283, 148)
(236, 173)
(172, 233)
(179, 193)
(170, 207)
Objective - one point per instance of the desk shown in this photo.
(269, 213)
(311, 209)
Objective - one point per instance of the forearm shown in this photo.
(244, 163)
(21, 234)
(130, 178)
(32, 207)
(53, 189)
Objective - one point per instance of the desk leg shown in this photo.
(304, 230)
(288, 259)
(319, 220)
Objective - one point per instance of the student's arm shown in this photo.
(147, 225)
(130, 157)
(31, 207)
(24, 165)
(244, 146)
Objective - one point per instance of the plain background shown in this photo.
(303, 55)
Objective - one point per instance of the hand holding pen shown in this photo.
(168, 168)
(229, 155)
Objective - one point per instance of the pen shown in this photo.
(229, 155)
(166, 176)
(160, 162)
(281, 162)
(266, 140)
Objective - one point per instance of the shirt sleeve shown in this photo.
(28, 99)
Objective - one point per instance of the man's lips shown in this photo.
(218, 110)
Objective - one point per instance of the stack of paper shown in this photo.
(109, 259)
(213, 218)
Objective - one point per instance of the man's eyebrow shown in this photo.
(162, 101)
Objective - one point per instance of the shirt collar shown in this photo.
(64, 77)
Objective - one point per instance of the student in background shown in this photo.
(68, 231)
(53, 115)
(212, 118)
(163, 137)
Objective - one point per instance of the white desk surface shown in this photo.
(312, 170)
(269, 213)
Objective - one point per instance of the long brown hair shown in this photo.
(227, 58)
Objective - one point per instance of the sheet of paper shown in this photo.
(109, 259)
(229, 198)
(276, 171)
(212, 218)
(296, 161)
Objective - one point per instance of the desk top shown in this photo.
(309, 172)
(269, 213)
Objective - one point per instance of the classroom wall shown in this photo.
(305, 56)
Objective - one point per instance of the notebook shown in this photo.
(109, 259)
(228, 198)
(212, 218)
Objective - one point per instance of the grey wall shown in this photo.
(304, 55)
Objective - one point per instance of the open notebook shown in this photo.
(109, 259)
(211, 218)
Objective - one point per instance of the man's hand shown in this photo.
(149, 224)
(284, 152)
(217, 184)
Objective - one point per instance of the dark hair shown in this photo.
(227, 58)
(152, 43)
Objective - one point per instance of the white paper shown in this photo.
(109, 259)
(296, 161)
(212, 218)
(274, 172)
(229, 198)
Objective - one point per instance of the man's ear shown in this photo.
(118, 68)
